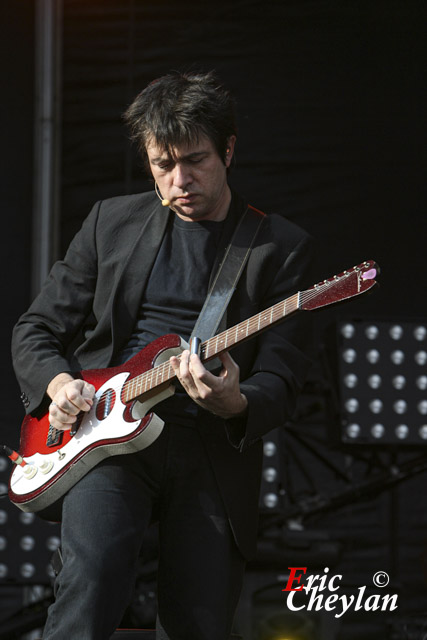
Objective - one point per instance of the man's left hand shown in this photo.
(220, 394)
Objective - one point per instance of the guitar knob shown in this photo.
(29, 471)
(46, 466)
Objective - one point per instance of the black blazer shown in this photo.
(91, 299)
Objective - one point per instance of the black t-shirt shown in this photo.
(174, 296)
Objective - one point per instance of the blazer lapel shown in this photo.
(135, 272)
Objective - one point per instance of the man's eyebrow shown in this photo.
(196, 153)
(159, 159)
(188, 156)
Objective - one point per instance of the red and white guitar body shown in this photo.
(50, 461)
(111, 427)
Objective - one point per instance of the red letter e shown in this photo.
(293, 578)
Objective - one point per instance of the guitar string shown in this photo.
(304, 296)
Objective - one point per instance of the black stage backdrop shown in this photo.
(331, 99)
(16, 109)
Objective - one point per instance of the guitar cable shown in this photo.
(14, 456)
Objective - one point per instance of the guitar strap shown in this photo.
(228, 274)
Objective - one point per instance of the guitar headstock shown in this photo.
(345, 285)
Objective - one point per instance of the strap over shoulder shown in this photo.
(228, 274)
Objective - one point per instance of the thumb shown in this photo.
(228, 363)
(226, 358)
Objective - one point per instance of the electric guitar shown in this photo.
(121, 421)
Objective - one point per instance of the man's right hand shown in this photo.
(69, 397)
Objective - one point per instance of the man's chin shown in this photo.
(188, 212)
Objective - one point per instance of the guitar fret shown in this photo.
(136, 387)
(147, 381)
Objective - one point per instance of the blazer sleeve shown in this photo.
(283, 355)
(43, 334)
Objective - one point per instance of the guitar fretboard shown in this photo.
(213, 346)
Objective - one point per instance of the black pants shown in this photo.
(105, 516)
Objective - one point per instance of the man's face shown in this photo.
(193, 178)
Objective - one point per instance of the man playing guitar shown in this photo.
(139, 269)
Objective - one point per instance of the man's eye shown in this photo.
(165, 165)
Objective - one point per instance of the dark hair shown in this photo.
(177, 108)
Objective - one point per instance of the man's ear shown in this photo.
(229, 151)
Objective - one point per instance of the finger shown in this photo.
(184, 362)
(176, 361)
(61, 426)
(71, 398)
(59, 419)
(199, 371)
(183, 372)
(88, 390)
(86, 398)
(181, 369)
(65, 405)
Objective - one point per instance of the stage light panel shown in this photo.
(382, 371)
(27, 543)
(271, 480)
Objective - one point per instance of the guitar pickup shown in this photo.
(54, 437)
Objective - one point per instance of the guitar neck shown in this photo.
(211, 348)
(343, 286)
(248, 328)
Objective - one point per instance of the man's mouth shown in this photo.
(187, 198)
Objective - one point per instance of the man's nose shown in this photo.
(182, 176)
